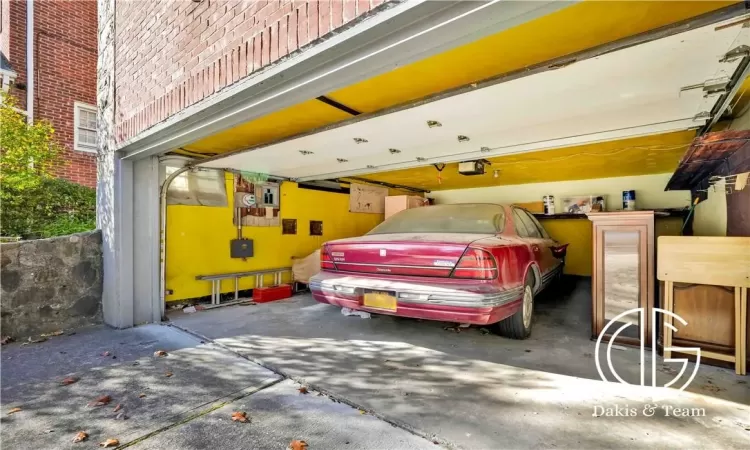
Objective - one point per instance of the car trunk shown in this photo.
(419, 254)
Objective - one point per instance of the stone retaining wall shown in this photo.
(51, 284)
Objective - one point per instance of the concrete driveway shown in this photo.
(183, 400)
(476, 390)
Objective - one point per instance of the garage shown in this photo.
(633, 116)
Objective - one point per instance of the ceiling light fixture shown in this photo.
(370, 166)
(360, 141)
(394, 151)
(420, 159)
(306, 152)
(484, 149)
(434, 124)
(462, 138)
(342, 160)
(496, 174)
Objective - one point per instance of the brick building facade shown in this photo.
(204, 46)
(65, 53)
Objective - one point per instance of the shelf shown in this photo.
(658, 213)
(560, 216)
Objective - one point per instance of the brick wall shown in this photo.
(65, 70)
(172, 54)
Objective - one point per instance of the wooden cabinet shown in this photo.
(397, 203)
(623, 274)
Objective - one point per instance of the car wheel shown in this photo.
(518, 326)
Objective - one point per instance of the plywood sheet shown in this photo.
(719, 261)
(709, 312)
(364, 198)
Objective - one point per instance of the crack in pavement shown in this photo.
(434, 438)
(214, 405)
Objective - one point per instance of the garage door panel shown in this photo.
(632, 92)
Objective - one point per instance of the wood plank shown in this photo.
(721, 261)
(738, 330)
(719, 356)
(743, 330)
(668, 306)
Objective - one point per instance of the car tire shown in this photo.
(518, 326)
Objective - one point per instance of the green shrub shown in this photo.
(33, 203)
(53, 207)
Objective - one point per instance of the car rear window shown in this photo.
(461, 218)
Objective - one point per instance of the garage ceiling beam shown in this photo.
(339, 106)
(401, 33)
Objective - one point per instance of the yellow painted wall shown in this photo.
(577, 232)
(198, 238)
(711, 214)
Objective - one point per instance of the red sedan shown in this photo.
(467, 263)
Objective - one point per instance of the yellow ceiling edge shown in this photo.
(576, 28)
(626, 157)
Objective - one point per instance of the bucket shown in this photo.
(628, 200)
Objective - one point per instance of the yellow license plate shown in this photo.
(380, 300)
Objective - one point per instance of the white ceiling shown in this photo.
(631, 92)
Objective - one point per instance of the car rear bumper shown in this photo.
(477, 303)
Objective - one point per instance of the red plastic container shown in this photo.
(271, 294)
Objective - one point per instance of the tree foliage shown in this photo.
(34, 202)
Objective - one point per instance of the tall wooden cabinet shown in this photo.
(623, 274)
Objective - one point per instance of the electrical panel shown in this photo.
(241, 248)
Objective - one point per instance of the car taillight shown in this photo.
(325, 260)
(477, 264)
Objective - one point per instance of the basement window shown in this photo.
(84, 134)
(316, 228)
(288, 226)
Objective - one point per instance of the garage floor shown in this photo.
(476, 390)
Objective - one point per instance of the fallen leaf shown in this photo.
(303, 390)
(168, 374)
(14, 410)
(69, 380)
(6, 340)
(54, 333)
(118, 407)
(141, 395)
(109, 443)
(37, 340)
(362, 411)
(81, 436)
(106, 354)
(240, 416)
(101, 401)
(160, 353)
(298, 445)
